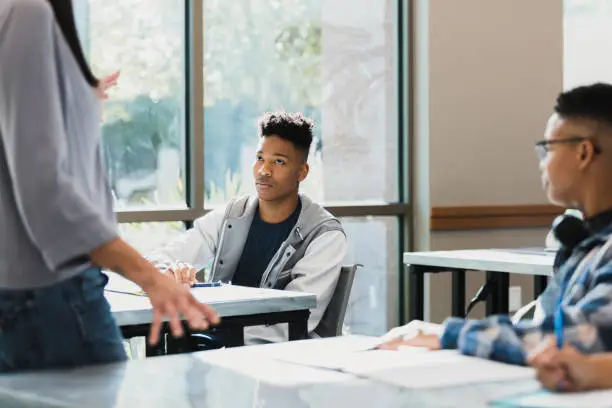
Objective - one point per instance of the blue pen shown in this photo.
(206, 284)
(558, 316)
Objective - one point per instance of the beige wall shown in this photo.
(486, 75)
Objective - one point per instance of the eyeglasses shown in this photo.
(543, 146)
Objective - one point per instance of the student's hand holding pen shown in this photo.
(182, 272)
(566, 369)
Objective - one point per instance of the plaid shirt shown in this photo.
(586, 307)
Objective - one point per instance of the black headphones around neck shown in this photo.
(570, 230)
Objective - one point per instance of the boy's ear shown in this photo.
(304, 170)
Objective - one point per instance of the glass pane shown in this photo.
(143, 132)
(587, 37)
(149, 236)
(374, 243)
(334, 61)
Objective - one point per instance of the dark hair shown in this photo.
(592, 102)
(293, 127)
(64, 14)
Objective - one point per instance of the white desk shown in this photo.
(236, 378)
(237, 306)
(498, 263)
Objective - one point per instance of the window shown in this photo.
(143, 132)
(587, 37)
(337, 61)
(146, 237)
(333, 60)
(374, 243)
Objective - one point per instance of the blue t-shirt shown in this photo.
(262, 243)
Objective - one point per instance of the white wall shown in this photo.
(487, 74)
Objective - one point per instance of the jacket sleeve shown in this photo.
(587, 326)
(197, 246)
(317, 273)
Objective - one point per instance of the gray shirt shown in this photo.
(55, 202)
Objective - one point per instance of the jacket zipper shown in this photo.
(218, 252)
(279, 255)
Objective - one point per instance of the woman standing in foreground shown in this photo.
(57, 225)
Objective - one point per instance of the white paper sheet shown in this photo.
(451, 372)
(412, 367)
(357, 361)
(545, 399)
(310, 347)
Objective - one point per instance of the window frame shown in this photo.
(194, 164)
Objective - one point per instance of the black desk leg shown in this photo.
(458, 293)
(179, 345)
(497, 301)
(417, 293)
(539, 284)
(298, 326)
(504, 295)
(491, 305)
(234, 335)
(157, 350)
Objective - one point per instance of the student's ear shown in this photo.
(304, 169)
(586, 154)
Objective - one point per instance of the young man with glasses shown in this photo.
(576, 167)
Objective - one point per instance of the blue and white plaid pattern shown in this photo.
(586, 307)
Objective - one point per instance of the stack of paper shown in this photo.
(412, 367)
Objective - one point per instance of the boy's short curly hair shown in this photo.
(293, 127)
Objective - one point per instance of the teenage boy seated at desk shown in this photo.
(576, 167)
(276, 239)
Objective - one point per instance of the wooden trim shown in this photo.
(493, 217)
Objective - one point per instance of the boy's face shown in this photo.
(562, 165)
(279, 168)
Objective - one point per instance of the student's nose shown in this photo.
(264, 170)
(542, 164)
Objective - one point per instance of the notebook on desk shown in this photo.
(119, 284)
